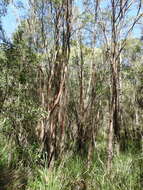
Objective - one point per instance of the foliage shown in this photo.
(70, 86)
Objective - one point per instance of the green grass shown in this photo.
(44, 180)
(126, 174)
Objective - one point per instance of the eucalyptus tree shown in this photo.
(84, 76)
(116, 24)
(49, 26)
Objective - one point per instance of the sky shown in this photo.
(15, 15)
(10, 22)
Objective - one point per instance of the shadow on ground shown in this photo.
(12, 179)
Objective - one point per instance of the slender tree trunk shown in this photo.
(114, 128)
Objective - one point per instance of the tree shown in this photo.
(114, 30)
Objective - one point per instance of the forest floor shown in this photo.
(126, 175)
(11, 179)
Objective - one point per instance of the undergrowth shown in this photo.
(126, 174)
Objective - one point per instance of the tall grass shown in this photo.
(126, 174)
